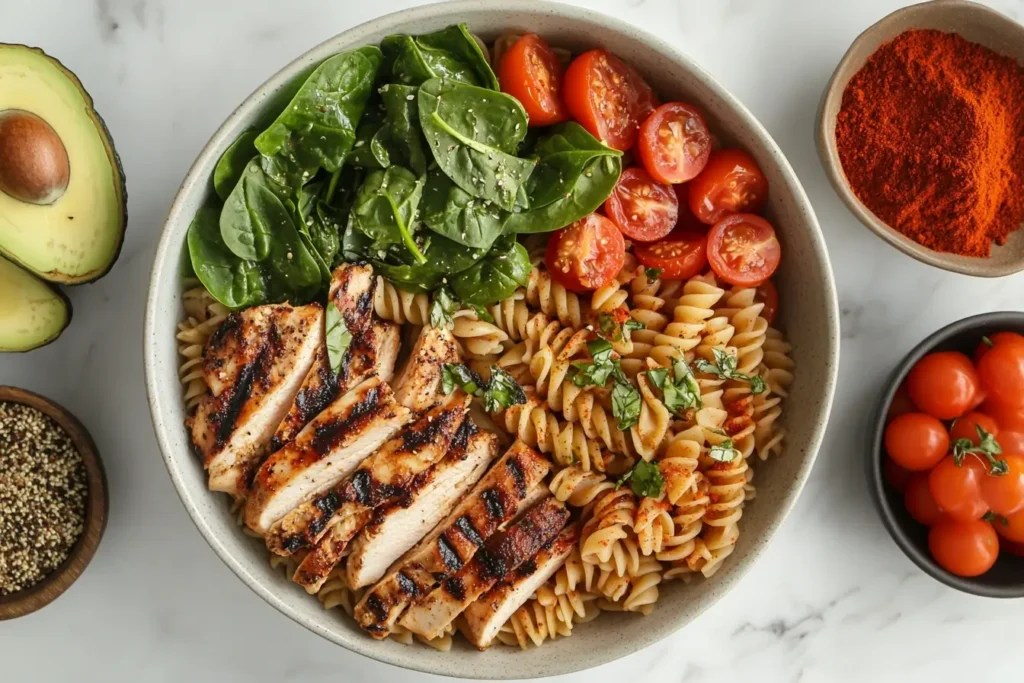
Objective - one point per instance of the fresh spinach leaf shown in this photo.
(338, 336)
(322, 265)
(473, 134)
(232, 163)
(232, 281)
(444, 258)
(562, 156)
(399, 140)
(386, 208)
(318, 127)
(364, 152)
(451, 211)
(495, 278)
(252, 215)
(451, 52)
(592, 188)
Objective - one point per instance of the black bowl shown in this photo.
(1006, 578)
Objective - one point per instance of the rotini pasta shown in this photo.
(203, 315)
(400, 306)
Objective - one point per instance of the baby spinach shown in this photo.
(399, 141)
(473, 134)
(562, 155)
(232, 162)
(590, 191)
(495, 277)
(364, 154)
(295, 273)
(318, 127)
(252, 215)
(451, 211)
(443, 259)
(451, 52)
(232, 281)
(385, 208)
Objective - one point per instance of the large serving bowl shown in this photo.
(809, 316)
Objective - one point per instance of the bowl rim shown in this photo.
(876, 457)
(97, 508)
(166, 260)
(829, 154)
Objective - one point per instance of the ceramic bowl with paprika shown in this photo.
(1006, 578)
(973, 22)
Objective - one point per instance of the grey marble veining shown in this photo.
(832, 599)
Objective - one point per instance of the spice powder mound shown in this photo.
(931, 139)
(43, 493)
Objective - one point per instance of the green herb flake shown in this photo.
(457, 375)
(338, 337)
(501, 392)
(442, 307)
(725, 367)
(626, 403)
(724, 452)
(644, 478)
(653, 273)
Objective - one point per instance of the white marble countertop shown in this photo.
(832, 600)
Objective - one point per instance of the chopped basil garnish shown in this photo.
(625, 403)
(987, 447)
(680, 392)
(644, 478)
(502, 391)
(724, 452)
(725, 367)
(442, 307)
(613, 331)
(338, 337)
(653, 273)
(596, 371)
(482, 313)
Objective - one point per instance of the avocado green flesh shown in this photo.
(76, 238)
(32, 312)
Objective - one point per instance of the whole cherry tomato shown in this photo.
(919, 502)
(1005, 493)
(1001, 371)
(966, 427)
(1011, 527)
(1011, 441)
(964, 548)
(988, 342)
(943, 384)
(916, 441)
(957, 488)
(1007, 417)
(901, 403)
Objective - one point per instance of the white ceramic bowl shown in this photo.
(809, 315)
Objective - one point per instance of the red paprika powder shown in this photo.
(931, 139)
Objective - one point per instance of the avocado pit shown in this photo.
(34, 165)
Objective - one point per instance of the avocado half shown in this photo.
(62, 196)
(32, 312)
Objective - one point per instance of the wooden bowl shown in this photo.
(96, 507)
(975, 23)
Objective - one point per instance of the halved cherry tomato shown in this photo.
(603, 94)
(966, 427)
(531, 73)
(919, 502)
(1008, 417)
(1013, 529)
(901, 403)
(943, 384)
(1001, 371)
(964, 548)
(916, 441)
(1011, 441)
(957, 488)
(675, 143)
(895, 475)
(730, 183)
(743, 249)
(681, 255)
(767, 294)
(644, 209)
(1005, 493)
(644, 99)
(586, 254)
(993, 339)
(687, 221)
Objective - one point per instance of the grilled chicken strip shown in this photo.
(513, 484)
(418, 383)
(352, 289)
(485, 617)
(254, 365)
(502, 553)
(396, 528)
(380, 479)
(371, 353)
(326, 451)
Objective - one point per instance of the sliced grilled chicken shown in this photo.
(380, 479)
(254, 365)
(352, 289)
(371, 353)
(485, 617)
(418, 383)
(502, 553)
(326, 451)
(316, 566)
(513, 484)
(396, 528)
